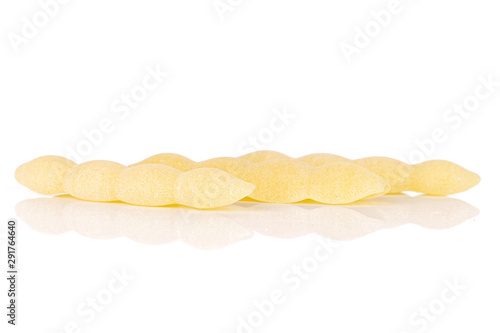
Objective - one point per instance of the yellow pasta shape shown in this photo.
(312, 159)
(176, 161)
(441, 178)
(434, 177)
(93, 181)
(263, 155)
(44, 174)
(160, 185)
(321, 159)
(290, 180)
(147, 185)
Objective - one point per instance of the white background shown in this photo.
(227, 77)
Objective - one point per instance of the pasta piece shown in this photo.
(291, 180)
(435, 177)
(44, 174)
(147, 184)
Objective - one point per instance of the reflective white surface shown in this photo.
(348, 269)
(216, 228)
(114, 267)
